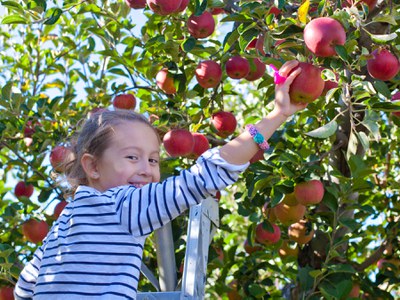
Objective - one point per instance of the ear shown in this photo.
(88, 163)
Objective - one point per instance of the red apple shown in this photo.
(30, 126)
(59, 208)
(309, 192)
(251, 248)
(274, 10)
(257, 157)
(224, 123)
(329, 84)
(6, 293)
(201, 26)
(201, 144)
(252, 44)
(287, 214)
(371, 3)
(23, 190)
(265, 237)
(301, 232)
(384, 65)
(136, 4)
(396, 98)
(237, 67)
(260, 44)
(59, 156)
(178, 142)
(164, 7)
(165, 81)
(124, 101)
(183, 6)
(308, 85)
(35, 231)
(257, 69)
(208, 74)
(321, 35)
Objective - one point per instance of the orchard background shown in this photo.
(60, 61)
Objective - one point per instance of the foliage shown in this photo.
(59, 60)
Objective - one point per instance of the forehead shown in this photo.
(135, 133)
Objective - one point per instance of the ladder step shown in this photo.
(159, 296)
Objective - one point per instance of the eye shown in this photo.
(153, 161)
(132, 157)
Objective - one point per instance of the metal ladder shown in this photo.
(203, 222)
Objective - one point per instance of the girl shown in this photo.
(94, 249)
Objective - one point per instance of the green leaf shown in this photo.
(200, 7)
(276, 196)
(341, 51)
(325, 131)
(364, 140)
(383, 38)
(385, 19)
(14, 5)
(6, 91)
(14, 19)
(386, 106)
(382, 88)
(56, 14)
(256, 290)
(188, 44)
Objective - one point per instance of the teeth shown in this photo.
(137, 185)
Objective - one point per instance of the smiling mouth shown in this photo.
(138, 184)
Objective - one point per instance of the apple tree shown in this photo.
(315, 217)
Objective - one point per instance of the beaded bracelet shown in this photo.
(257, 137)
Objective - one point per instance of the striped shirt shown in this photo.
(94, 249)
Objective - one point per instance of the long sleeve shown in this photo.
(24, 288)
(144, 210)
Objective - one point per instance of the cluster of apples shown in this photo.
(290, 213)
(182, 142)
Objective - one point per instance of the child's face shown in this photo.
(132, 157)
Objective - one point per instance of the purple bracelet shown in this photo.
(257, 137)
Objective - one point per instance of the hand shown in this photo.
(283, 105)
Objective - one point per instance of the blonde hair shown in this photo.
(94, 138)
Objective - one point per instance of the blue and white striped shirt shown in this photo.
(94, 249)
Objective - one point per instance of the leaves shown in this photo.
(325, 131)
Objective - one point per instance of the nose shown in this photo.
(145, 168)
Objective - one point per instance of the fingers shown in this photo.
(292, 76)
(287, 67)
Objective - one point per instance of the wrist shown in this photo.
(278, 115)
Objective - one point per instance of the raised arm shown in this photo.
(241, 149)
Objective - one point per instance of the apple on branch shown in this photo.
(59, 157)
(6, 293)
(178, 142)
(308, 85)
(165, 81)
(257, 69)
(35, 231)
(237, 67)
(309, 192)
(201, 26)
(301, 232)
(201, 144)
(59, 208)
(208, 74)
(383, 65)
(164, 7)
(266, 237)
(224, 122)
(124, 101)
(22, 189)
(136, 4)
(321, 35)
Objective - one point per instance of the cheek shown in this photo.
(156, 175)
